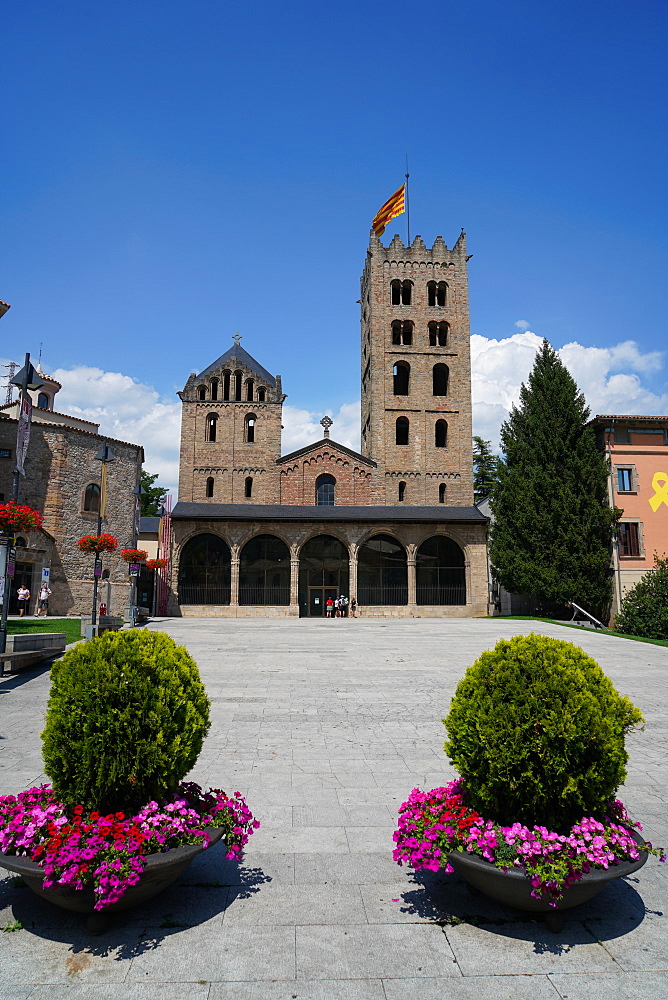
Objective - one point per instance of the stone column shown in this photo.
(294, 581)
(412, 588)
(234, 577)
(353, 550)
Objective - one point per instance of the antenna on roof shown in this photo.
(10, 389)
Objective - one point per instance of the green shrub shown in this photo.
(537, 731)
(644, 610)
(126, 719)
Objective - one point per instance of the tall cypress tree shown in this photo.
(553, 527)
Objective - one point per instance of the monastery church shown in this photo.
(395, 526)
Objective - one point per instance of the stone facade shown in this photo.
(60, 465)
(416, 459)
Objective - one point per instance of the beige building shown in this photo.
(62, 481)
(395, 526)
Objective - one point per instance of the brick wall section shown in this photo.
(354, 479)
(230, 459)
(60, 464)
(420, 464)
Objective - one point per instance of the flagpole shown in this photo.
(408, 208)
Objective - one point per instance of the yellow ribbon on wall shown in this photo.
(660, 491)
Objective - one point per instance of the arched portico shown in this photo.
(382, 572)
(204, 570)
(440, 572)
(323, 573)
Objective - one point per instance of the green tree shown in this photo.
(484, 468)
(553, 527)
(152, 495)
(644, 610)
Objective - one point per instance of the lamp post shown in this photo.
(105, 456)
(134, 570)
(26, 379)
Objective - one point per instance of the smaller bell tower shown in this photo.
(231, 432)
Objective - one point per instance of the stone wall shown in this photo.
(299, 474)
(60, 464)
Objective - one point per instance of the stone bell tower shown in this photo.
(416, 371)
(231, 432)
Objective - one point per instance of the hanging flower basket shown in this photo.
(97, 543)
(134, 555)
(156, 564)
(17, 517)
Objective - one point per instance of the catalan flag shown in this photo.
(393, 207)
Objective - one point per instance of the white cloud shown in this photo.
(522, 324)
(606, 375)
(301, 427)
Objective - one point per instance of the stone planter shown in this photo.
(160, 871)
(513, 888)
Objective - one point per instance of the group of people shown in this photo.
(23, 595)
(340, 607)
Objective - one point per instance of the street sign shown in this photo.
(134, 569)
(98, 567)
(46, 573)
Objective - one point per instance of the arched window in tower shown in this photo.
(401, 292)
(248, 487)
(209, 487)
(441, 492)
(214, 388)
(402, 332)
(43, 401)
(250, 384)
(324, 490)
(402, 374)
(211, 422)
(201, 392)
(402, 430)
(261, 394)
(437, 293)
(441, 434)
(238, 377)
(438, 334)
(249, 428)
(92, 498)
(440, 380)
(226, 385)
(402, 492)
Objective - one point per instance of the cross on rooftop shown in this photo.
(326, 423)
(236, 338)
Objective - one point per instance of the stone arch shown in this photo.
(382, 571)
(440, 572)
(264, 571)
(324, 561)
(204, 570)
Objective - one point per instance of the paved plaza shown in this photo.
(326, 726)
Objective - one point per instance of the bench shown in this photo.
(22, 659)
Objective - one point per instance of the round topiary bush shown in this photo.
(126, 719)
(537, 731)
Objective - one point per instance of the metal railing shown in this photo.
(204, 593)
(264, 596)
(441, 595)
(373, 595)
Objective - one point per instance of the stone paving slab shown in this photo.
(325, 728)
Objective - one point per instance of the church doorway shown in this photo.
(323, 573)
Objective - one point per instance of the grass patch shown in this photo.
(580, 628)
(70, 626)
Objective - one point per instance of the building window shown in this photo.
(441, 493)
(628, 534)
(209, 486)
(261, 394)
(43, 401)
(238, 378)
(441, 434)
(211, 422)
(92, 498)
(437, 293)
(402, 373)
(249, 428)
(402, 430)
(201, 391)
(624, 480)
(248, 487)
(324, 490)
(214, 388)
(438, 334)
(402, 332)
(401, 292)
(440, 380)
(21, 543)
(226, 385)
(402, 492)
(249, 389)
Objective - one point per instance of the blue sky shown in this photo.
(175, 172)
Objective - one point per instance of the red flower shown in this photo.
(156, 564)
(97, 543)
(18, 517)
(134, 555)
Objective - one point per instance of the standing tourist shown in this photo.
(23, 595)
(43, 600)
